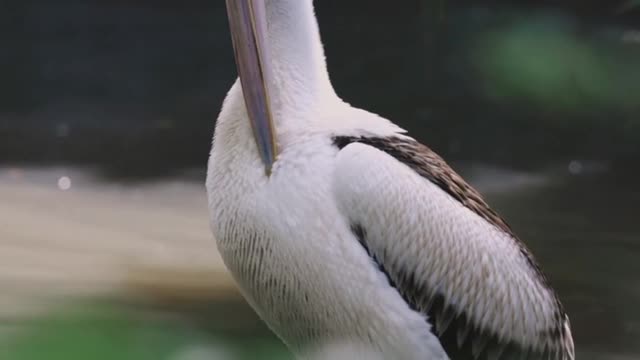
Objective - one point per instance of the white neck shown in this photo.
(300, 78)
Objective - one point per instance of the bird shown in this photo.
(339, 228)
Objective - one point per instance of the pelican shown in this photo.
(340, 228)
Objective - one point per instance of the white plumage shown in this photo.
(292, 253)
(346, 242)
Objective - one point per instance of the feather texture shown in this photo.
(473, 318)
(366, 241)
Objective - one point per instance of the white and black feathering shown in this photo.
(342, 231)
(458, 308)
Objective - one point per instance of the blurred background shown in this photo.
(107, 109)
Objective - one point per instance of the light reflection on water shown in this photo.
(583, 230)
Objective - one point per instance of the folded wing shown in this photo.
(447, 253)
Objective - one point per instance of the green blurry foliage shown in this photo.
(548, 62)
(93, 333)
(98, 332)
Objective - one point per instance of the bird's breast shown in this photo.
(273, 235)
(297, 262)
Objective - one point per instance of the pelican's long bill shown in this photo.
(247, 19)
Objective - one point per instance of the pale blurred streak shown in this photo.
(347, 351)
(96, 239)
(204, 352)
(631, 36)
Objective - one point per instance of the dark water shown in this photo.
(585, 232)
